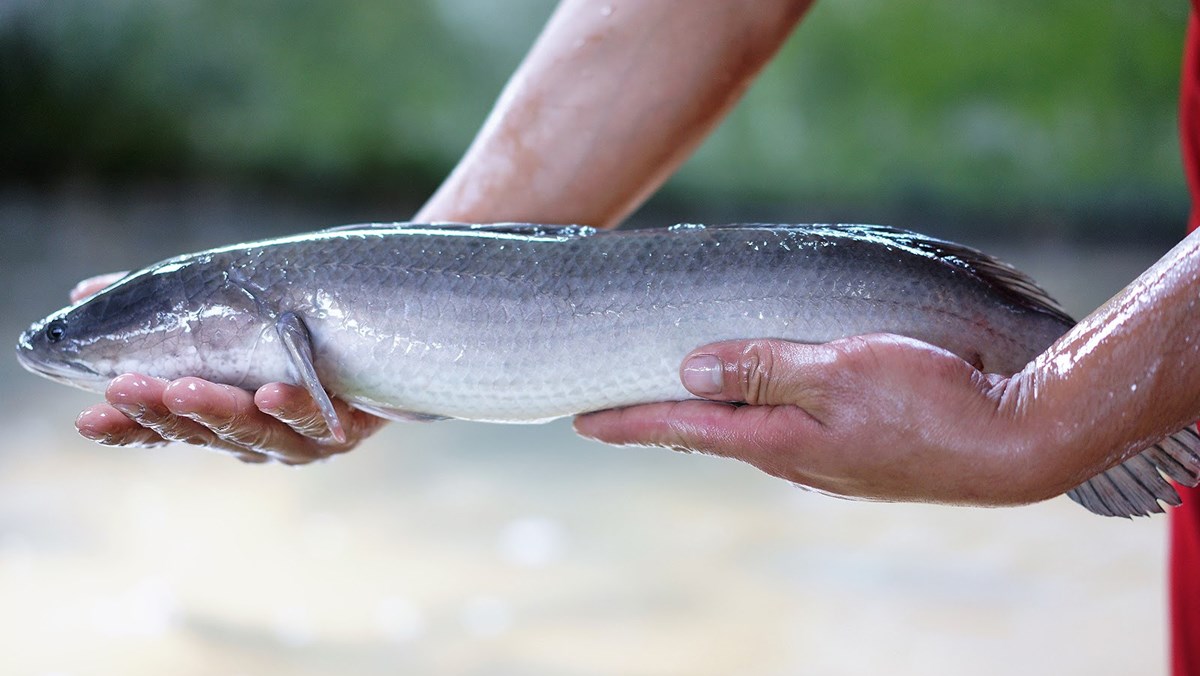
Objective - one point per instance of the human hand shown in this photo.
(278, 422)
(878, 417)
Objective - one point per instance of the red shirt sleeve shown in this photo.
(1189, 115)
(1184, 560)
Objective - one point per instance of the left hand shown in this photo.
(879, 417)
(278, 422)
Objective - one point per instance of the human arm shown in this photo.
(888, 418)
(608, 102)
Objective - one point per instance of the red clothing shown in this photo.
(1185, 519)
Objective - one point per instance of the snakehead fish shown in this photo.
(526, 323)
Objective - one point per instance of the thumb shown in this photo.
(759, 372)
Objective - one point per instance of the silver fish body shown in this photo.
(516, 323)
(526, 325)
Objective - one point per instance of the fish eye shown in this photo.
(56, 330)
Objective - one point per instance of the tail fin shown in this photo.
(1136, 486)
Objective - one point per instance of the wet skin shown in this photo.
(605, 106)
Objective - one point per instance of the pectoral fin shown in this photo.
(1136, 486)
(295, 338)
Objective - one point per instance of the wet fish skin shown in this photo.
(523, 323)
(479, 324)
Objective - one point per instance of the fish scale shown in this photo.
(525, 323)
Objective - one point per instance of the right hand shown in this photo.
(878, 417)
(278, 422)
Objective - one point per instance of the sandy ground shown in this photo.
(472, 549)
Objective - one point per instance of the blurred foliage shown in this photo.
(1027, 105)
(264, 89)
(1067, 105)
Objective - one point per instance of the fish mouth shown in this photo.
(66, 371)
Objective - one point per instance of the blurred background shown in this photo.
(131, 130)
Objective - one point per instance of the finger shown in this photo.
(93, 284)
(759, 372)
(230, 414)
(294, 407)
(750, 433)
(106, 425)
(140, 399)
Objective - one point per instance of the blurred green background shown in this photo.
(972, 114)
(132, 130)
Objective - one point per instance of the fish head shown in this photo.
(166, 321)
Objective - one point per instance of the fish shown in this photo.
(524, 323)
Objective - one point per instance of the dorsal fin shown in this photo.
(521, 229)
(1014, 285)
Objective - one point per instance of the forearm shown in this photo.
(612, 98)
(1122, 379)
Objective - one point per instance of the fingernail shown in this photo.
(91, 434)
(702, 374)
(179, 393)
